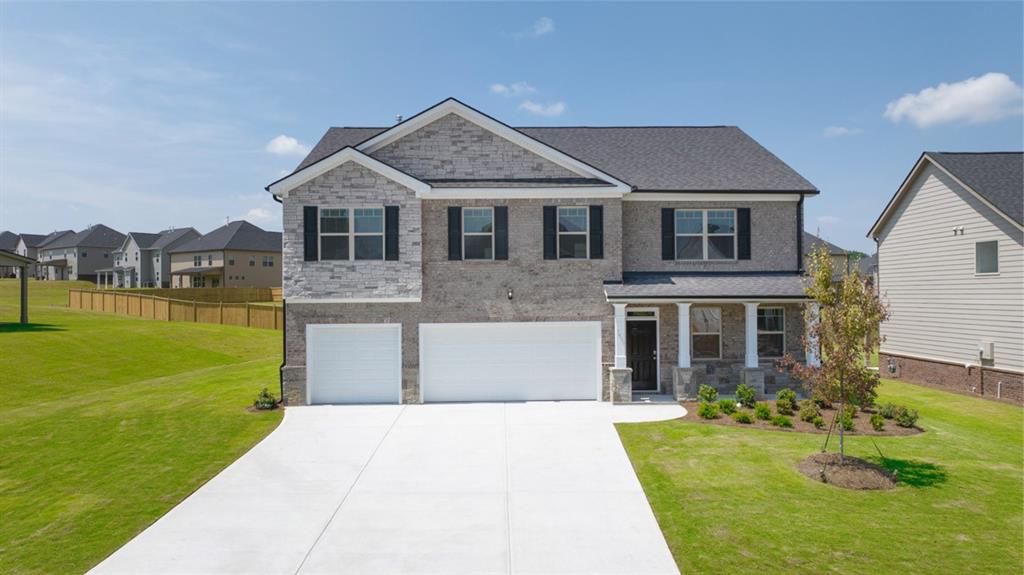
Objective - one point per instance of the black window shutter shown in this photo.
(743, 233)
(454, 233)
(310, 229)
(391, 233)
(668, 234)
(501, 232)
(550, 232)
(596, 232)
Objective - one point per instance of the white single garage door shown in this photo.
(353, 363)
(510, 361)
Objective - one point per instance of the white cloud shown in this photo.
(286, 146)
(514, 89)
(840, 131)
(258, 215)
(986, 98)
(828, 220)
(543, 25)
(547, 110)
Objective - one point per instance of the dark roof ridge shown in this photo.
(977, 153)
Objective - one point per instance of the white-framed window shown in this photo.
(986, 257)
(771, 332)
(705, 234)
(268, 261)
(252, 261)
(478, 233)
(231, 260)
(197, 261)
(706, 332)
(351, 234)
(209, 259)
(573, 232)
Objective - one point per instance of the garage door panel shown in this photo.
(353, 363)
(510, 361)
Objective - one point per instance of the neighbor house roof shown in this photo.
(996, 176)
(168, 237)
(650, 158)
(237, 235)
(96, 236)
(868, 264)
(813, 243)
(52, 237)
(654, 285)
(32, 240)
(8, 241)
(144, 240)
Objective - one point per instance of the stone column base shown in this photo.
(753, 377)
(621, 380)
(686, 381)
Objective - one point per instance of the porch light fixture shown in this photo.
(509, 294)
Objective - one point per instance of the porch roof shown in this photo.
(200, 270)
(63, 262)
(706, 286)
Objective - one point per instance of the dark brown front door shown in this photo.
(642, 353)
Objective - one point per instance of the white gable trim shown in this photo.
(453, 106)
(284, 185)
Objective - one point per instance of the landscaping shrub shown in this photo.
(763, 411)
(821, 401)
(746, 395)
(727, 406)
(868, 401)
(846, 419)
(743, 417)
(781, 421)
(707, 410)
(818, 422)
(707, 394)
(877, 422)
(808, 411)
(888, 410)
(785, 401)
(906, 417)
(265, 400)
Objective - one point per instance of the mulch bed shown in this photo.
(861, 422)
(851, 473)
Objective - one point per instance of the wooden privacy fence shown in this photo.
(261, 315)
(227, 295)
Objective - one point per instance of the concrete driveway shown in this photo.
(445, 489)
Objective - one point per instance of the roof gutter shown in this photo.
(800, 234)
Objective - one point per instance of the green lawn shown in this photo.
(730, 500)
(107, 422)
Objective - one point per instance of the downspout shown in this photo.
(800, 235)
(284, 325)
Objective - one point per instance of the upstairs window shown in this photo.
(771, 332)
(252, 261)
(268, 261)
(197, 261)
(209, 260)
(478, 233)
(573, 232)
(231, 260)
(986, 257)
(351, 234)
(705, 234)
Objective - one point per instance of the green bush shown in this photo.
(846, 419)
(808, 411)
(762, 411)
(888, 410)
(781, 421)
(877, 422)
(906, 417)
(821, 402)
(743, 417)
(786, 393)
(785, 401)
(727, 406)
(818, 422)
(746, 395)
(707, 410)
(265, 400)
(707, 394)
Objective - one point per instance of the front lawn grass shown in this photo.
(108, 422)
(730, 500)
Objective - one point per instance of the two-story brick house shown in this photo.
(453, 258)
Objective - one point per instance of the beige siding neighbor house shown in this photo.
(237, 254)
(951, 265)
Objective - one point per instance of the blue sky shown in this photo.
(144, 116)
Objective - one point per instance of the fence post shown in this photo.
(247, 320)
(195, 313)
(220, 306)
(273, 311)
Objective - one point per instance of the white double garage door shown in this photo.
(501, 361)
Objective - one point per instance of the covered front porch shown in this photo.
(116, 277)
(196, 277)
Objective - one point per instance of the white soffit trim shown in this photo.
(342, 156)
(453, 106)
(300, 301)
(640, 196)
(521, 193)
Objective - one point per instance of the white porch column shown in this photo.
(620, 334)
(684, 334)
(751, 332)
(813, 353)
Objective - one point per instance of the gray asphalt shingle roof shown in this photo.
(683, 158)
(237, 235)
(996, 176)
(144, 239)
(813, 243)
(168, 237)
(96, 236)
(867, 265)
(52, 237)
(707, 286)
(8, 241)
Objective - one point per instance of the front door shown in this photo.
(642, 353)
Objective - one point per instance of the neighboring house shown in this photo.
(868, 267)
(77, 256)
(237, 254)
(8, 243)
(951, 266)
(453, 258)
(143, 260)
(841, 262)
(29, 245)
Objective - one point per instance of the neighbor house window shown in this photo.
(268, 261)
(478, 233)
(706, 332)
(572, 232)
(252, 261)
(771, 331)
(350, 234)
(231, 260)
(197, 261)
(209, 260)
(84, 254)
(986, 257)
(705, 234)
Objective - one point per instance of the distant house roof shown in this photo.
(237, 235)
(655, 285)
(813, 243)
(52, 237)
(868, 264)
(8, 241)
(96, 236)
(32, 240)
(168, 237)
(996, 176)
(143, 239)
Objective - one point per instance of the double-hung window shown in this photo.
(478, 233)
(771, 331)
(268, 261)
(573, 232)
(350, 234)
(705, 234)
(197, 261)
(986, 257)
(706, 332)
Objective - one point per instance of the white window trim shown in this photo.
(477, 234)
(350, 234)
(585, 233)
(782, 333)
(704, 235)
(694, 333)
(985, 274)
